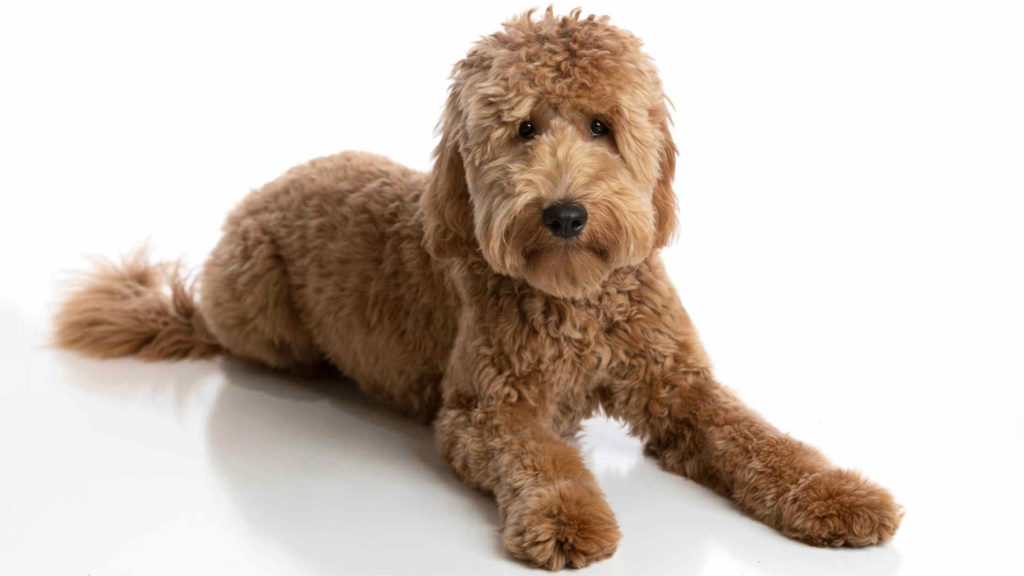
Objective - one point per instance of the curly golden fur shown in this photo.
(446, 296)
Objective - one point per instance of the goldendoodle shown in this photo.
(505, 296)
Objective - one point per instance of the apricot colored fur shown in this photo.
(443, 295)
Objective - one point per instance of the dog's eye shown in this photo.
(598, 128)
(526, 130)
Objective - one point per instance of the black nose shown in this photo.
(565, 219)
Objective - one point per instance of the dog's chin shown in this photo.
(567, 271)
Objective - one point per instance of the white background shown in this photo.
(850, 181)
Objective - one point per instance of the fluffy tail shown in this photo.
(135, 308)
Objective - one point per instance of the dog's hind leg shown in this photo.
(247, 300)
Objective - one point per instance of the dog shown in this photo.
(505, 296)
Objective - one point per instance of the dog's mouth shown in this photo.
(567, 249)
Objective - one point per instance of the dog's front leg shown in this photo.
(552, 511)
(699, 429)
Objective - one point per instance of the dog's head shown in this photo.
(555, 160)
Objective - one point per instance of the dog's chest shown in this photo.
(581, 340)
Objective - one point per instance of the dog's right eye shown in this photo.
(526, 130)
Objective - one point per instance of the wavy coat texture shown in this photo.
(445, 295)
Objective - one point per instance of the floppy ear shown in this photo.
(447, 212)
(664, 196)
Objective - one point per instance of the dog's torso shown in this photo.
(328, 262)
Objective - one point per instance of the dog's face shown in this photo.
(555, 160)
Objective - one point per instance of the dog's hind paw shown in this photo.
(838, 508)
(561, 525)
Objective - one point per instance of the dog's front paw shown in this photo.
(562, 525)
(838, 508)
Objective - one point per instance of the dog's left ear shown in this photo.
(664, 196)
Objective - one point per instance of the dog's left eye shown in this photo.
(598, 128)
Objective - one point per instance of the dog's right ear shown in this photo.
(447, 210)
